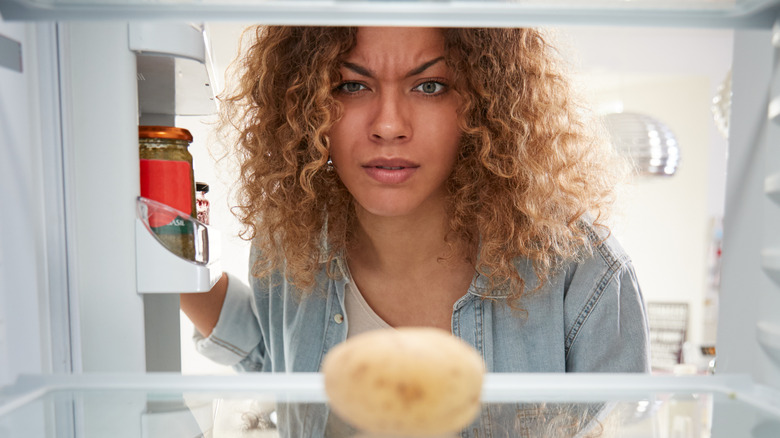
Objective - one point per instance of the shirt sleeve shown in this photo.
(611, 332)
(237, 335)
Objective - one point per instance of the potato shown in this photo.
(404, 382)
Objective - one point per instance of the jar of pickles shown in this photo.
(167, 177)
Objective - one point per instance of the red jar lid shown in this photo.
(170, 132)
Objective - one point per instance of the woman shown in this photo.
(421, 177)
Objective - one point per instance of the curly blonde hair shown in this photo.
(530, 165)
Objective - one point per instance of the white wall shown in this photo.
(623, 54)
(665, 224)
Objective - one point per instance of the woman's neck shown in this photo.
(407, 272)
(402, 245)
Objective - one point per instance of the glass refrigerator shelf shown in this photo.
(550, 405)
(511, 13)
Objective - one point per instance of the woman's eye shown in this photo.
(430, 87)
(352, 87)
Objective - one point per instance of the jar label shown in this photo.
(177, 235)
(177, 225)
(168, 182)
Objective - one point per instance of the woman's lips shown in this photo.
(390, 171)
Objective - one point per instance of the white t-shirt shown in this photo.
(360, 316)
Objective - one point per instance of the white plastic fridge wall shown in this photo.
(18, 268)
(70, 168)
(749, 299)
(34, 334)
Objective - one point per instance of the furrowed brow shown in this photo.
(423, 67)
(358, 69)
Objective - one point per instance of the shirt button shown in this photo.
(338, 318)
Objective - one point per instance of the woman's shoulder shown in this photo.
(602, 293)
(599, 254)
(601, 248)
(275, 280)
(602, 268)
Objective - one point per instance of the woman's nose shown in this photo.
(392, 121)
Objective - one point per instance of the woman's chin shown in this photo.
(400, 205)
(388, 209)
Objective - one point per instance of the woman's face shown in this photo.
(397, 141)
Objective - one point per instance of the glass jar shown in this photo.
(202, 205)
(167, 177)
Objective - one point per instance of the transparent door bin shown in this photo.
(175, 253)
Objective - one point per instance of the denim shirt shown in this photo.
(589, 316)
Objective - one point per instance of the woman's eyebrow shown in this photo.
(423, 67)
(363, 71)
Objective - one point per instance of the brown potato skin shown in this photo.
(410, 381)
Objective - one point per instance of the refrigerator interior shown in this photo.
(69, 121)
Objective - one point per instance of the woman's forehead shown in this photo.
(396, 47)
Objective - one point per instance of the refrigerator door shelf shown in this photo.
(175, 68)
(161, 270)
(174, 86)
(168, 39)
(768, 335)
